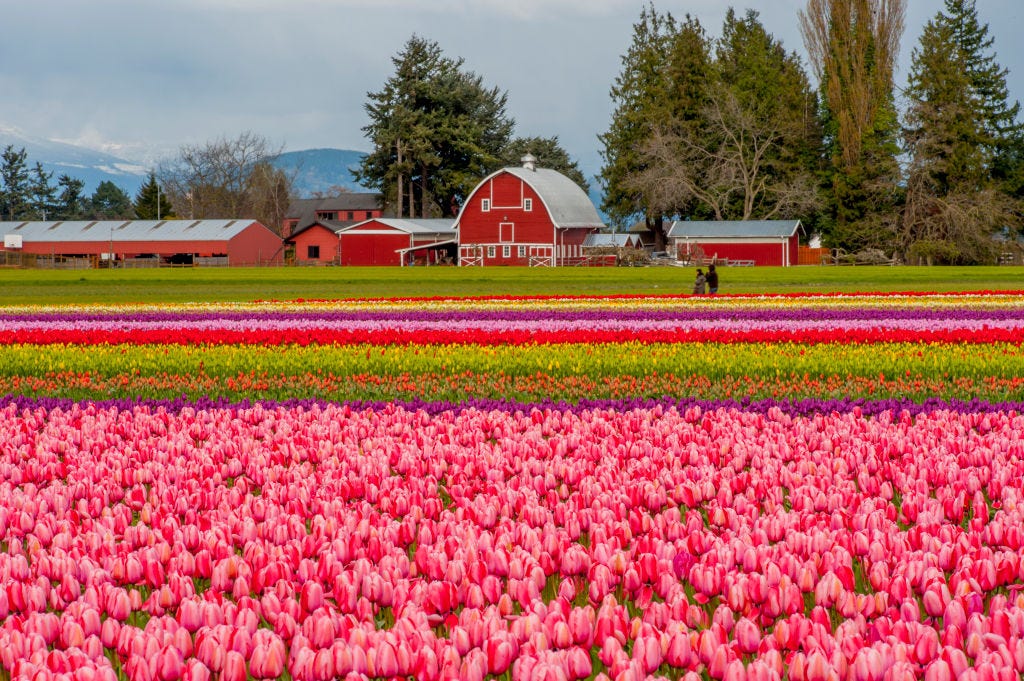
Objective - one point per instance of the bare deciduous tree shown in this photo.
(853, 46)
(727, 164)
(229, 178)
(955, 228)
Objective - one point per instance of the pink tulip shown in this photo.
(168, 665)
(747, 635)
(938, 671)
(234, 667)
(735, 671)
(267, 660)
(500, 653)
(818, 667)
(578, 663)
(647, 651)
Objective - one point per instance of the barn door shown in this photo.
(540, 256)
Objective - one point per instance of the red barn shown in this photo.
(397, 241)
(346, 208)
(525, 216)
(747, 242)
(216, 242)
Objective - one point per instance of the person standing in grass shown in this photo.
(699, 283)
(712, 279)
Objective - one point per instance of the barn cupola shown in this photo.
(529, 162)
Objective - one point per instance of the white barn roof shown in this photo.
(566, 202)
(733, 229)
(127, 230)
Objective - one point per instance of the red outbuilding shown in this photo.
(525, 216)
(398, 241)
(316, 243)
(737, 242)
(346, 208)
(209, 242)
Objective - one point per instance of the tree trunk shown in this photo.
(401, 188)
(423, 192)
(657, 227)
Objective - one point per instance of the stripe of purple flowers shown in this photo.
(805, 407)
(683, 314)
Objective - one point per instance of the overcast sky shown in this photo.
(151, 75)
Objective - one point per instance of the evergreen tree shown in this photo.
(435, 130)
(663, 77)
(110, 202)
(69, 201)
(987, 79)
(14, 184)
(151, 203)
(953, 201)
(549, 154)
(42, 194)
(1000, 118)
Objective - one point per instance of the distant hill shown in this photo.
(315, 170)
(319, 170)
(88, 165)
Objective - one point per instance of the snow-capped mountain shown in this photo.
(88, 165)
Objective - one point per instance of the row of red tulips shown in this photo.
(476, 336)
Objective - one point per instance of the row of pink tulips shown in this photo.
(323, 542)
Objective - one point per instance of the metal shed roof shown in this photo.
(620, 240)
(769, 229)
(127, 230)
(442, 226)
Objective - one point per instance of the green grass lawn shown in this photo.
(248, 284)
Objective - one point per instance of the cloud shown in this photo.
(518, 9)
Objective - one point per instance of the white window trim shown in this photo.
(485, 205)
(527, 205)
(506, 251)
(521, 252)
(490, 251)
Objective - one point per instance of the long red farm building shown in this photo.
(213, 242)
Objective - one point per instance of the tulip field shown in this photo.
(809, 487)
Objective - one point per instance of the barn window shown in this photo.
(527, 205)
(351, 215)
(485, 205)
(506, 251)
(329, 215)
(313, 252)
(490, 251)
(369, 214)
(521, 251)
